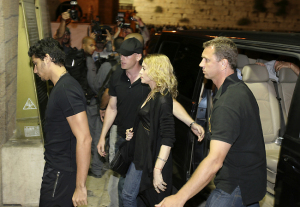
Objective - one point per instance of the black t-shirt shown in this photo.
(235, 120)
(129, 97)
(66, 99)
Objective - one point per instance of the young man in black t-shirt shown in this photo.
(237, 151)
(67, 136)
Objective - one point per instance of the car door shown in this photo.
(287, 190)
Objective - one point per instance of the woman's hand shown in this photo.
(198, 131)
(129, 134)
(158, 181)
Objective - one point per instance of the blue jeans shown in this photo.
(131, 186)
(219, 198)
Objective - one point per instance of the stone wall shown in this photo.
(9, 15)
(218, 14)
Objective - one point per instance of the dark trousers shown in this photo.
(119, 141)
(57, 188)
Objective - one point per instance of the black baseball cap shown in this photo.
(131, 46)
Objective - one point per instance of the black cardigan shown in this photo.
(162, 132)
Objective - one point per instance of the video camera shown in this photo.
(73, 12)
(99, 30)
(121, 18)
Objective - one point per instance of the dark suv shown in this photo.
(184, 48)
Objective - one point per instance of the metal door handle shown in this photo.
(293, 162)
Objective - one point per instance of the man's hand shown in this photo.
(261, 64)
(93, 35)
(139, 21)
(171, 201)
(108, 36)
(65, 15)
(80, 196)
(281, 64)
(198, 131)
(118, 31)
(101, 147)
(102, 114)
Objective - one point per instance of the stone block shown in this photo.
(10, 28)
(2, 85)
(2, 58)
(203, 2)
(11, 106)
(228, 2)
(241, 3)
(11, 126)
(177, 10)
(189, 11)
(11, 88)
(11, 69)
(270, 16)
(218, 3)
(2, 107)
(22, 170)
(2, 129)
(2, 38)
(176, 15)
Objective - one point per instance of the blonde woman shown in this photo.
(150, 173)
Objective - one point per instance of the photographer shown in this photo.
(63, 32)
(126, 29)
(101, 35)
(103, 46)
(143, 29)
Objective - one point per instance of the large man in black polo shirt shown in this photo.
(127, 93)
(237, 152)
(67, 137)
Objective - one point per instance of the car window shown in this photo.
(169, 49)
(186, 66)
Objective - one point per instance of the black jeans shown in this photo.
(57, 188)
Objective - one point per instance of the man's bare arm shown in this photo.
(110, 115)
(204, 173)
(80, 129)
(62, 26)
(281, 64)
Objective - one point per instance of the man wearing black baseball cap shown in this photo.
(126, 94)
(131, 46)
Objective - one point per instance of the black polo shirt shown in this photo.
(235, 120)
(129, 97)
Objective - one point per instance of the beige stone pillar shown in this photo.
(8, 72)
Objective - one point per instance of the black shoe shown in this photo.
(90, 173)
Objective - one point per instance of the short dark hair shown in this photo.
(48, 46)
(225, 48)
(118, 42)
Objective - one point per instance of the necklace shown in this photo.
(62, 74)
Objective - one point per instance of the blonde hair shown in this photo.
(160, 70)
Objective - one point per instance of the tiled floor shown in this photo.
(98, 193)
(98, 190)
